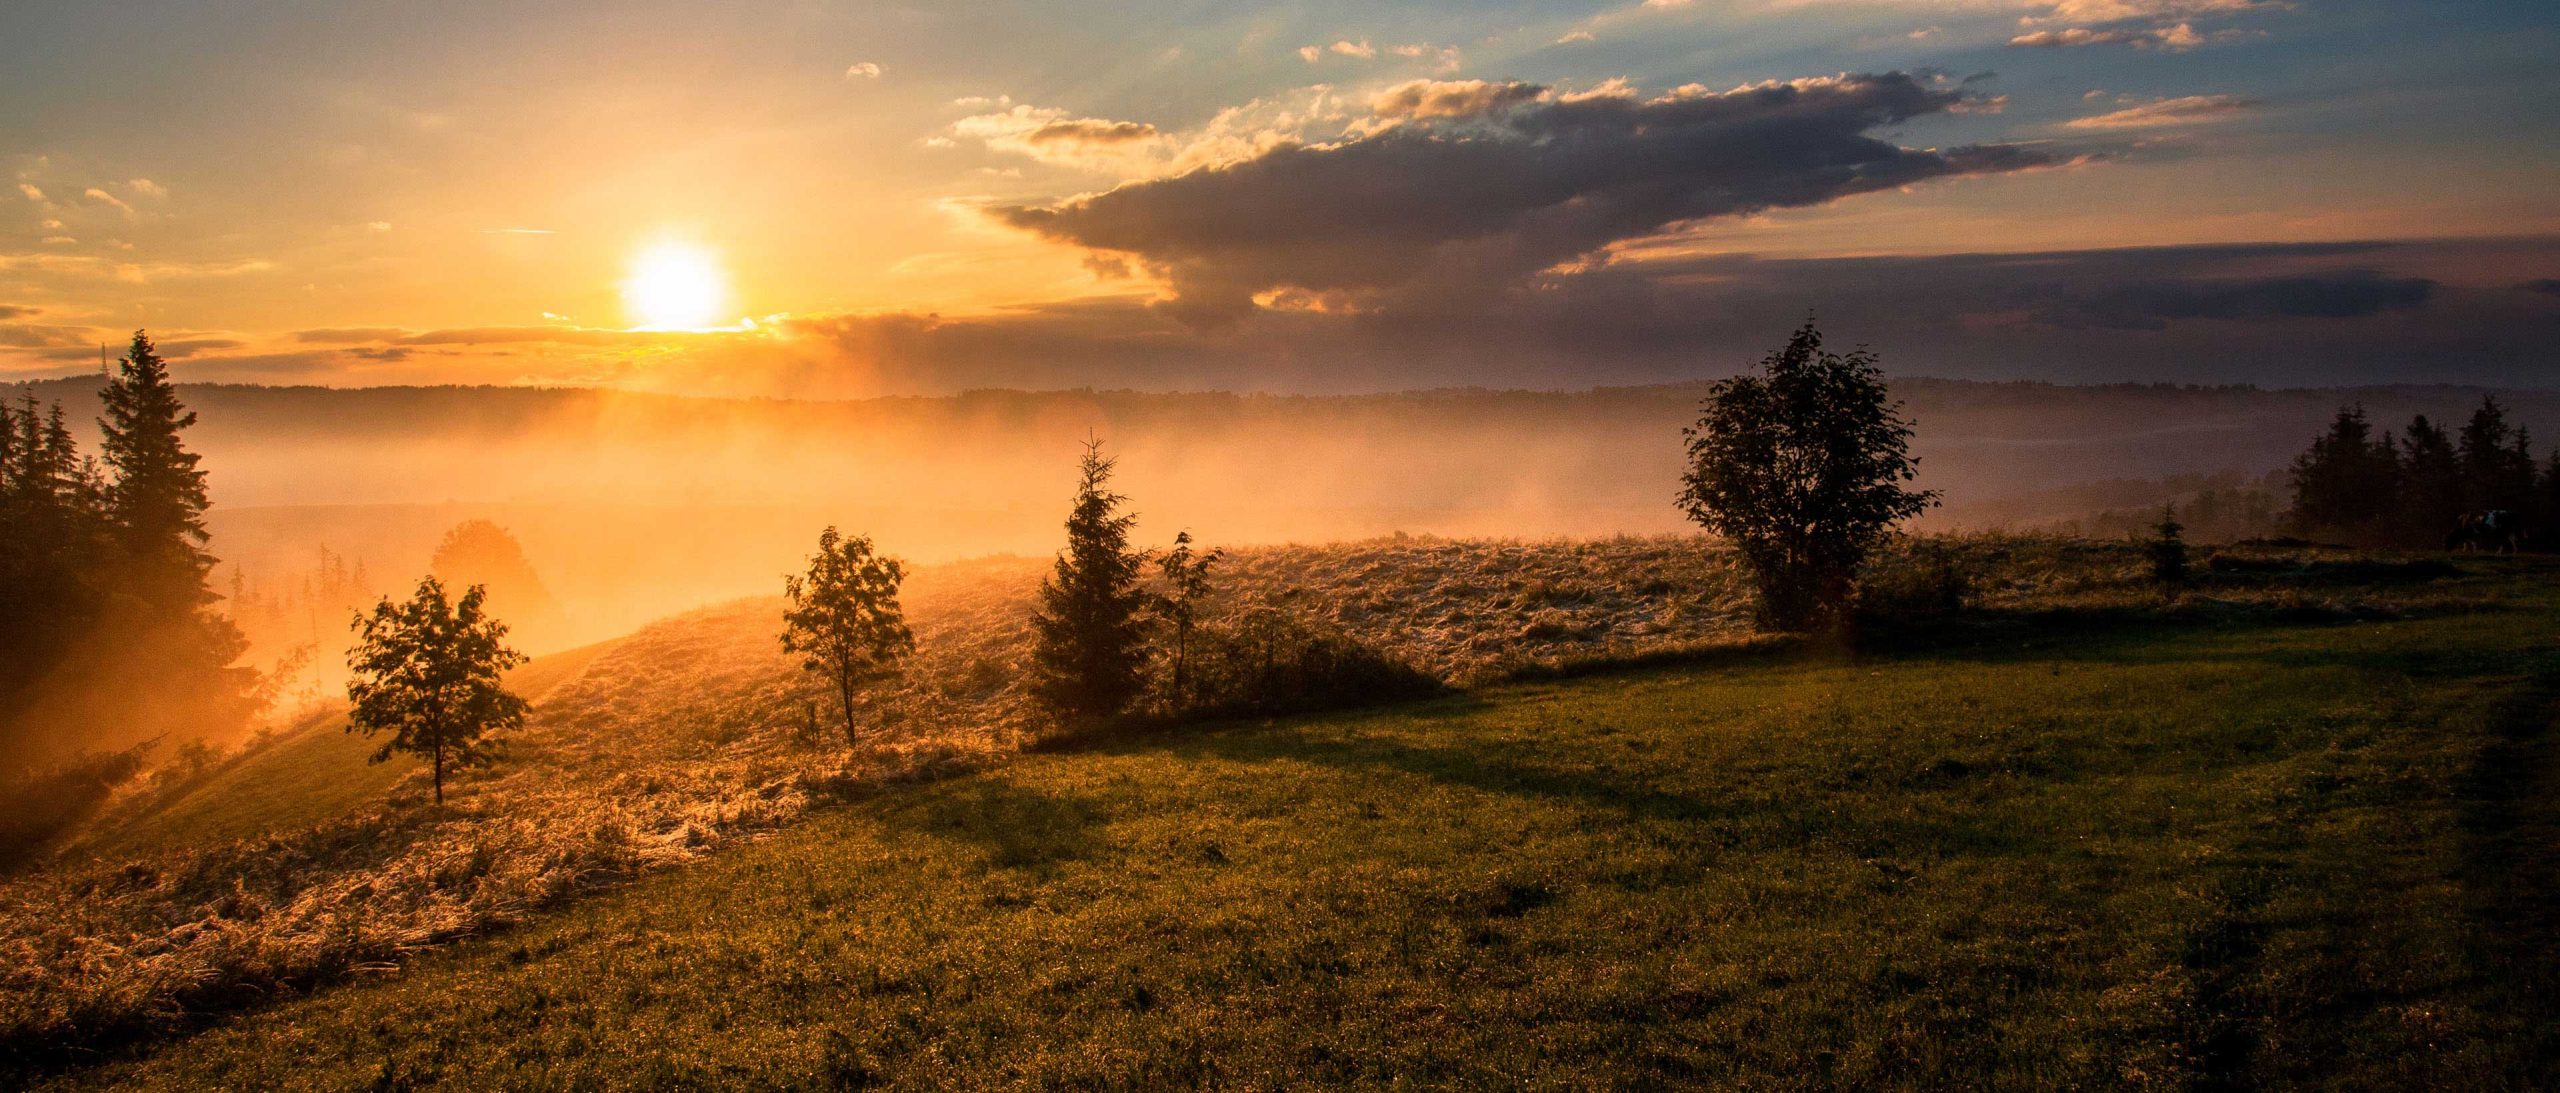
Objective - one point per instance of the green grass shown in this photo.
(313, 774)
(2235, 856)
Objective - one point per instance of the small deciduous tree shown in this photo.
(1186, 589)
(845, 620)
(427, 672)
(1090, 652)
(1803, 466)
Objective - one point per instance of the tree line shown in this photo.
(106, 620)
(2425, 487)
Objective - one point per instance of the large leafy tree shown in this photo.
(845, 620)
(1089, 656)
(158, 497)
(428, 672)
(1804, 466)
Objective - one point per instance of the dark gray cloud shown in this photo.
(2152, 305)
(16, 311)
(1466, 186)
(2548, 286)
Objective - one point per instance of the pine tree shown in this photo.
(1090, 628)
(2168, 548)
(2497, 461)
(2431, 487)
(158, 496)
(2344, 484)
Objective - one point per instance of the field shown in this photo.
(2295, 824)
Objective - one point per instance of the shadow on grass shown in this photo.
(1017, 827)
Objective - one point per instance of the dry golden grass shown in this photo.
(698, 731)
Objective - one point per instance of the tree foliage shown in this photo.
(428, 671)
(1804, 467)
(845, 621)
(1186, 593)
(158, 497)
(107, 633)
(1089, 657)
(2369, 488)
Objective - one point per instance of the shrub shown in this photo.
(1268, 661)
(44, 803)
(1924, 580)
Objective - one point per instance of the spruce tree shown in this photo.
(1090, 652)
(158, 496)
(2431, 489)
(2344, 485)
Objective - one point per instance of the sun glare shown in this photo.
(675, 286)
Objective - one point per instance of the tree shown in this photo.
(482, 553)
(845, 620)
(2432, 495)
(1186, 579)
(428, 672)
(158, 499)
(2345, 484)
(2497, 461)
(2168, 548)
(1088, 659)
(1803, 466)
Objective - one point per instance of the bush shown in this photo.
(1269, 661)
(45, 803)
(1922, 581)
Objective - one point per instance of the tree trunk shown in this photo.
(439, 774)
(844, 701)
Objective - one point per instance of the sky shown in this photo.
(837, 199)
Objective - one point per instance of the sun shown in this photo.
(675, 286)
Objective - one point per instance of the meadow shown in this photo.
(2084, 831)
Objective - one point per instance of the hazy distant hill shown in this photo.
(632, 505)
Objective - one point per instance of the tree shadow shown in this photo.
(1017, 827)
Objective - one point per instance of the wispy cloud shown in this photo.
(2190, 110)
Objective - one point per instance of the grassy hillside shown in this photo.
(311, 775)
(2222, 850)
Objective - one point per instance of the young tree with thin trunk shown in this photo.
(428, 672)
(1090, 652)
(845, 621)
(1803, 467)
(1186, 579)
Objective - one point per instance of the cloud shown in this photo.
(2153, 305)
(1348, 48)
(104, 198)
(1576, 37)
(1054, 136)
(2190, 110)
(31, 192)
(1426, 99)
(17, 311)
(862, 70)
(2548, 286)
(517, 231)
(148, 188)
(2176, 38)
(1482, 184)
